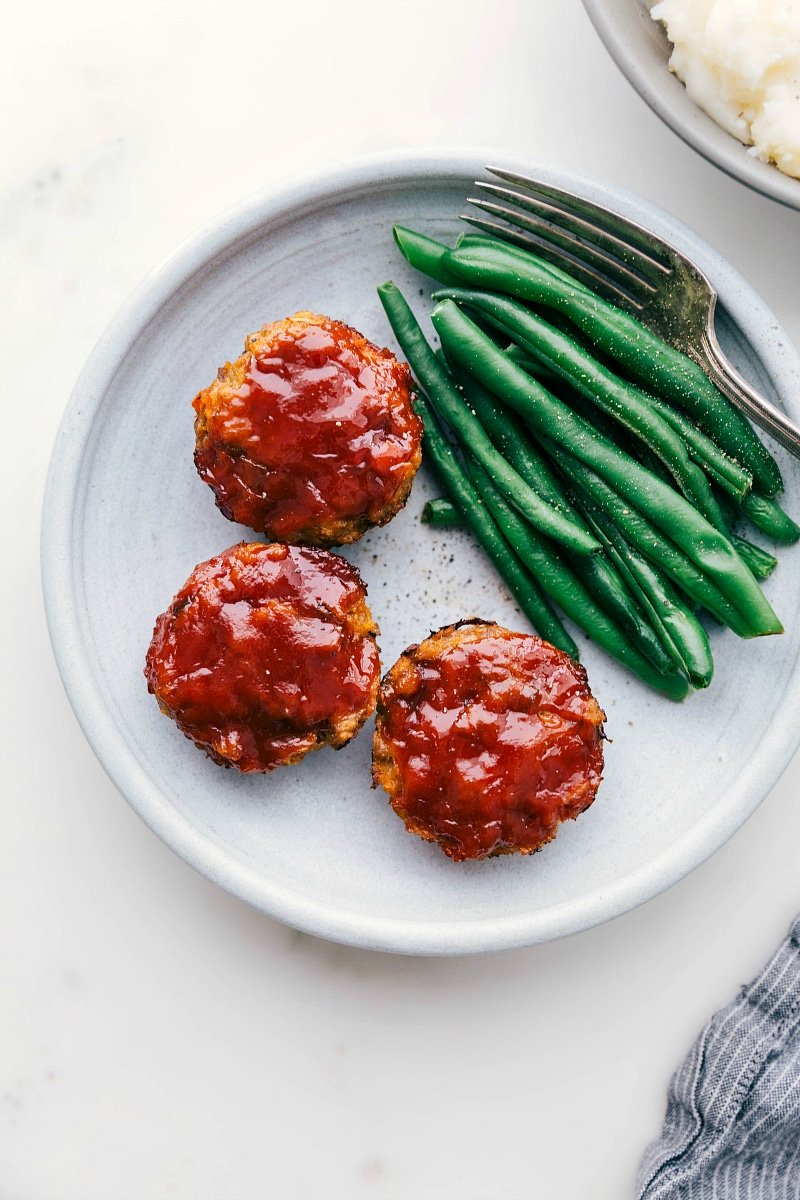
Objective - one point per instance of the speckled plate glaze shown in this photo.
(641, 49)
(126, 518)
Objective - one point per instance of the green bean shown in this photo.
(528, 363)
(720, 467)
(440, 511)
(761, 511)
(769, 517)
(601, 582)
(466, 240)
(682, 634)
(620, 595)
(575, 588)
(717, 464)
(534, 605)
(423, 253)
(768, 514)
(610, 591)
(624, 441)
(533, 366)
(623, 402)
(447, 401)
(706, 546)
(760, 561)
(651, 543)
(512, 440)
(644, 355)
(555, 578)
(727, 506)
(594, 571)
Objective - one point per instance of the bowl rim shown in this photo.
(702, 133)
(63, 611)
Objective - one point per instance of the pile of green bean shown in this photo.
(600, 469)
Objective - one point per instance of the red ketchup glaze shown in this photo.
(320, 431)
(263, 652)
(498, 739)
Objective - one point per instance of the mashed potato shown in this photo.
(740, 61)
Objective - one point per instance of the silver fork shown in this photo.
(632, 268)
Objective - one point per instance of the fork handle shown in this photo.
(721, 371)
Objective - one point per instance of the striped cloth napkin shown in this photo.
(732, 1127)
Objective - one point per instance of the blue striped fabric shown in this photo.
(732, 1128)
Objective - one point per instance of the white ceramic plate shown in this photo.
(641, 50)
(126, 518)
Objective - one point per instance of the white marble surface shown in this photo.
(160, 1041)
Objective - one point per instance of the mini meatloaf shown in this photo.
(486, 740)
(265, 653)
(310, 437)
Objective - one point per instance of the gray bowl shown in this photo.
(126, 518)
(641, 50)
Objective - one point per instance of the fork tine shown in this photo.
(559, 258)
(564, 219)
(660, 254)
(585, 251)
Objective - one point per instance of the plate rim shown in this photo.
(83, 690)
(696, 128)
